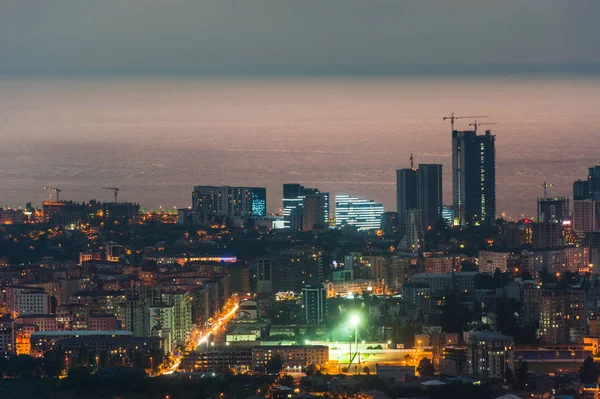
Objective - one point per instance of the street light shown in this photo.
(354, 320)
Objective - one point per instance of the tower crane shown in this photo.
(475, 124)
(452, 118)
(114, 189)
(56, 190)
(546, 185)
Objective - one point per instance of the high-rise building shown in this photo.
(407, 195)
(430, 193)
(552, 210)
(363, 213)
(315, 212)
(594, 181)
(562, 316)
(586, 216)
(209, 202)
(315, 304)
(413, 240)
(389, 223)
(547, 235)
(581, 189)
(587, 189)
(474, 177)
(490, 354)
(264, 275)
(293, 207)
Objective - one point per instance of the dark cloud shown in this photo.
(145, 36)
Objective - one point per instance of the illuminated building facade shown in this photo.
(299, 214)
(363, 213)
(224, 201)
(562, 316)
(489, 354)
(474, 177)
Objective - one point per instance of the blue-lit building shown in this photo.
(448, 214)
(209, 202)
(363, 213)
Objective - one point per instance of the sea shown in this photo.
(157, 137)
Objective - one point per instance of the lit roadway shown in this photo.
(204, 337)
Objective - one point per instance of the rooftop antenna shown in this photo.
(411, 161)
(452, 118)
(115, 191)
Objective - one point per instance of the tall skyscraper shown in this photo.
(293, 207)
(407, 195)
(217, 201)
(430, 193)
(474, 177)
(363, 213)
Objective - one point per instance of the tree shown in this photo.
(589, 371)
(425, 367)
(287, 380)
(275, 365)
(311, 369)
(508, 376)
(522, 374)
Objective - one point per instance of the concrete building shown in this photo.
(562, 316)
(474, 177)
(264, 275)
(553, 210)
(548, 235)
(439, 263)
(293, 207)
(489, 261)
(489, 354)
(586, 216)
(292, 356)
(412, 242)
(209, 202)
(315, 304)
(33, 303)
(7, 339)
(458, 282)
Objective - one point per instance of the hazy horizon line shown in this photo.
(416, 71)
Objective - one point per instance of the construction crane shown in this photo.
(475, 124)
(546, 185)
(56, 190)
(114, 189)
(452, 118)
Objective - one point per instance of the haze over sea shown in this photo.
(156, 138)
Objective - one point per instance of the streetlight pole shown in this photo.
(354, 319)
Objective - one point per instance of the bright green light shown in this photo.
(354, 320)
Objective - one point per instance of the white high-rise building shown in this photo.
(352, 211)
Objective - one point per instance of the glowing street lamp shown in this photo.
(354, 320)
